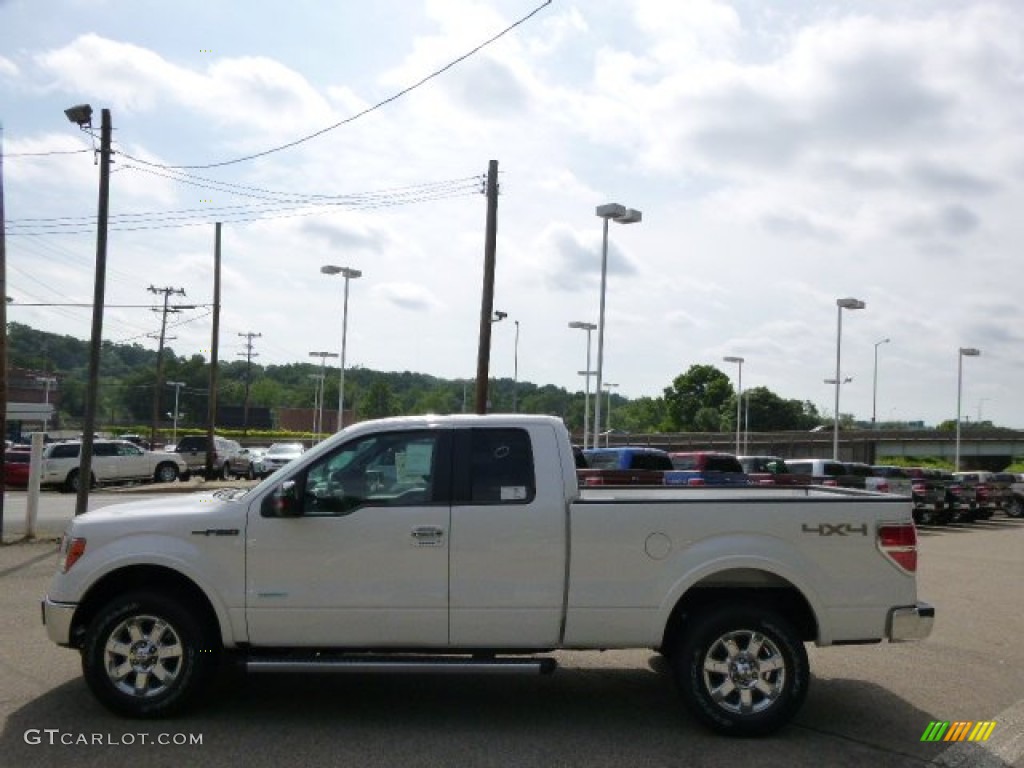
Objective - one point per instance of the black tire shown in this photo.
(1015, 507)
(172, 659)
(165, 473)
(742, 670)
(71, 483)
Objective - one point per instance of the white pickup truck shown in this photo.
(464, 543)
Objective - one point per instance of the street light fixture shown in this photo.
(174, 417)
(874, 388)
(318, 404)
(739, 393)
(964, 352)
(588, 327)
(621, 215)
(348, 274)
(841, 304)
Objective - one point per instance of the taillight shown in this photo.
(70, 552)
(898, 542)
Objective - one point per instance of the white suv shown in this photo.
(112, 461)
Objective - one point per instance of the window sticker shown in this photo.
(513, 492)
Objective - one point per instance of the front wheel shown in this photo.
(742, 670)
(148, 656)
(166, 473)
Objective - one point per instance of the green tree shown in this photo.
(378, 401)
(701, 387)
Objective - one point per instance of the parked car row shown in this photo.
(121, 461)
(938, 496)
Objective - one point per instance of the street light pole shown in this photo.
(607, 438)
(874, 387)
(82, 116)
(348, 274)
(841, 304)
(622, 215)
(174, 418)
(515, 370)
(964, 352)
(739, 393)
(588, 327)
(318, 422)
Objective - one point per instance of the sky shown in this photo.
(783, 155)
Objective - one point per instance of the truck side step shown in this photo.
(418, 665)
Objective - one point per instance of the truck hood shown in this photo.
(205, 508)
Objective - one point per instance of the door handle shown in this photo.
(427, 536)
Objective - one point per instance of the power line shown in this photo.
(358, 115)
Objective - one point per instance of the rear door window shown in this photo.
(498, 467)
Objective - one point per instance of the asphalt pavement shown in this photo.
(867, 705)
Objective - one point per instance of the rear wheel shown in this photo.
(742, 670)
(72, 482)
(146, 655)
(166, 473)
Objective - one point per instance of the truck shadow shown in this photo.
(581, 715)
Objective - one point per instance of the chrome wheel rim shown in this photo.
(143, 656)
(744, 672)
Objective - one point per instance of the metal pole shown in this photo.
(835, 416)
(600, 336)
(515, 370)
(959, 392)
(739, 397)
(95, 344)
(341, 374)
(586, 398)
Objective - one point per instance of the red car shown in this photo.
(16, 464)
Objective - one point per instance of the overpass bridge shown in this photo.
(990, 449)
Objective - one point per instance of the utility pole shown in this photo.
(248, 355)
(211, 414)
(487, 298)
(159, 384)
(96, 340)
(3, 336)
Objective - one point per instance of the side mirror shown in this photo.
(282, 502)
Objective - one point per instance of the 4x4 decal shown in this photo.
(836, 529)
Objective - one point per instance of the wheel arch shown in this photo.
(743, 585)
(131, 578)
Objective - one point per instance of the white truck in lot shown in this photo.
(464, 543)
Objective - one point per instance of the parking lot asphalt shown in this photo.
(867, 705)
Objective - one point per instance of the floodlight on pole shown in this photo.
(621, 215)
(349, 274)
(964, 352)
(588, 327)
(739, 393)
(841, 304)
(81, 115)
